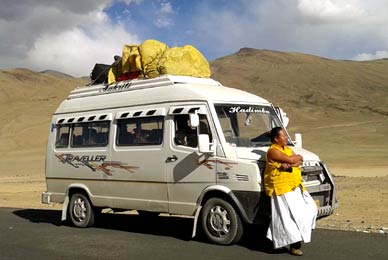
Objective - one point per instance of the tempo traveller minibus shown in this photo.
(172, 144)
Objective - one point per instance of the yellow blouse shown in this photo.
(279, 182)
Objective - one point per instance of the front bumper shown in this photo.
(321, 186)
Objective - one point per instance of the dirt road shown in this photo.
(39, 234)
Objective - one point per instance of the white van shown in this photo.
(171, 144)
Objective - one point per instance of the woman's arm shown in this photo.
(299, 162)
(277, 156)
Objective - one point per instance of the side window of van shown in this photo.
(204, 127)
(92, 134)
(140, 131)
(187, 136)
(62, 138)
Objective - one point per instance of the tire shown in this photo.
(81, 211)
(220, 222)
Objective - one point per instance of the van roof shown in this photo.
(166, 88)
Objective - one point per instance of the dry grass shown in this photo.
(340, 107)
(28, 100)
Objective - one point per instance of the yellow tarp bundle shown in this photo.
(151, 52)
(184, 61)
(153, 58)
(130, 61)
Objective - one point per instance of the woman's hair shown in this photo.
(274, 133)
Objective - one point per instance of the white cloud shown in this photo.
(132, 1)
(337, 29)
(69, 36)
(330, 10)
(75, 51)
(163, 15)
(166, 8)
(163, 22)
(72, 35)
(371, 56)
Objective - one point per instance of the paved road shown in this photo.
(39, 234)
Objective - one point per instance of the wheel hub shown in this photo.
(219, 221)
(79, 209)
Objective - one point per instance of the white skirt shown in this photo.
(293, 217)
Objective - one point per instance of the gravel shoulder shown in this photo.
(362, 200)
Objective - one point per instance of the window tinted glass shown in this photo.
(204, 127)
(94, 134)
(247, 125)
(140, 131)
(187, 136)
(62, 139)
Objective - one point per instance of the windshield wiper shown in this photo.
(261, 144)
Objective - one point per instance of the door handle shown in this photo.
(172, 158)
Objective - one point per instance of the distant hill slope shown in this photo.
(23, 85)
(295, 79)
(56, 73)
(27, 101)
(340, 107)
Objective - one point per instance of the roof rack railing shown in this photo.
(140, 83)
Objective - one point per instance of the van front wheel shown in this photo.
(220, 222)
(81, 211)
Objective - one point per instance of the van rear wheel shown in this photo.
(220, 222)
(81, 211)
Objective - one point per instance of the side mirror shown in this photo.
(298, 140)
(283, 116)
(204, 144)
(194, 120)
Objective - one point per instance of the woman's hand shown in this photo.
(285, 166)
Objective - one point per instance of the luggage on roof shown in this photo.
(153, 58)
(184, 61)
(99, 74)
(151, 51)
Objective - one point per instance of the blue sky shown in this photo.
(155, 20)
(70, 36)
(173, 22)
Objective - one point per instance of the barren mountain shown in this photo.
(56, 73)
(340, 107)
(28, 99)
(296, 80)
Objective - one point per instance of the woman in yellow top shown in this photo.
(293, 210)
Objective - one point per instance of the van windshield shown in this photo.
(247, 125)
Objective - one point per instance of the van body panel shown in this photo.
(179, 92)
(162, 173)
(143, 178)
(189, 174)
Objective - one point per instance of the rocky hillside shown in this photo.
(27, 101)
(295, 79)
(340, 107)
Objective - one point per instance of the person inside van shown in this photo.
(204, 128)
(140, 137)
(293, 209)
(184, 134)
(93, 137)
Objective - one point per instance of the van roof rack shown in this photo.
(136, 84)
